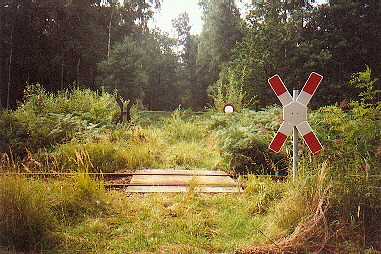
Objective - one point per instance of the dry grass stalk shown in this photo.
(311, 235)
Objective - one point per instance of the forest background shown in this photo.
(96, 44)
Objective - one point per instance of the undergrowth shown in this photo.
(334, 206)
(32, 211)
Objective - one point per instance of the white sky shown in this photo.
(170, 9)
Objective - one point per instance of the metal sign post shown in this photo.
(295, 116)
(295, 141)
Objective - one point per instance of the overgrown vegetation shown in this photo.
(32, 211)
(45, 119)
(333, 206)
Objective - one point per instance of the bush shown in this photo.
(13, 134)
(350, 136)
(244, 138)
(45, 119)
(228, 89)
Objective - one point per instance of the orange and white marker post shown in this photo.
(295, 116)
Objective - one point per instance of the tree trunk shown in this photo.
(1, 53)
(10, 62)
(109, 32)
(62, 70)
(125, 109)
(78, 64)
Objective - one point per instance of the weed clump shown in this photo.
(80, 195)
(25, 218)
(262, 193)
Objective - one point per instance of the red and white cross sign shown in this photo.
(295, 112)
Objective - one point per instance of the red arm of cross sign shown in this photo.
(309, 137)
(309, 88)
(280, 137)
(280, 90)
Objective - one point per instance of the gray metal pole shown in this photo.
(295, 141)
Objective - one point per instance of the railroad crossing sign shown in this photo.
(295, 113)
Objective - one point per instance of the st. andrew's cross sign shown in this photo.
(295, 113)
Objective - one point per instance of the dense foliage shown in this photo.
(293, 40)
(59, 43)
(45, 119)
(94, 44)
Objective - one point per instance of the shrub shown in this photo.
(13, 134)
(45, 119)
(351, 136)
(228, 89)
(244, 138)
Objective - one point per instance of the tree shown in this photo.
(47, 41)
(123, 70)
(294, 40)
(220, 33)
(162, 92)
(340, 39)
(59, 43)
(268, 47)
(127, 19)
(186, 69)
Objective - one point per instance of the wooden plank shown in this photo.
(205, 189)
(125, 185)
(179, 172)
(175, 180)
(181, 180)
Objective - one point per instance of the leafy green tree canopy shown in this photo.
(124, 69)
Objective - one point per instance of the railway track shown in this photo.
(158, 180)
(155, 180)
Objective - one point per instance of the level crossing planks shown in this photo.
(173, 180)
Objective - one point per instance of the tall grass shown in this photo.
(32, 211)
(184, 143)
(25, 218)
(169, 223)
